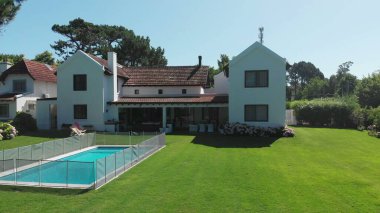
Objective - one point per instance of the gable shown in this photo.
(257, 48)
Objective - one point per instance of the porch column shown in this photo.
(164, 118)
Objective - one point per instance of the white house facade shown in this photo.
(103, 95)
(22, 84)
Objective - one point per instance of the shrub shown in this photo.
(326, 112)
(24, 122)
(244, 129)
(7, 131)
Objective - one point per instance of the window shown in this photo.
(80, 111)
(256, 78)
(160, 91)
(256, 112)
(31, 106)
(80, 82)
(4, 110)
(184, 91)
(19, 86)
(137, 92)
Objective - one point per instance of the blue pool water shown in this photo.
(75, 169)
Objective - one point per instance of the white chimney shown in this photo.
(112, 66)
(4, 66)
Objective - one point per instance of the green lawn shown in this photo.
(320, 170)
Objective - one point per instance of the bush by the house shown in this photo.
(368, 118)
(24, 122)
(244, 129)
(7, 131)
(326, 112)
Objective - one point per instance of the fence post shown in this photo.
(115, 163)
(63, 146)
(95, 173)
(67, 173)
(15, 169)
(39, 172)
(105, 170)
(124, 158)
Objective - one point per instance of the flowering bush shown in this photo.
(7, 131)
(244, 129)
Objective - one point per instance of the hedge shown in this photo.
(325, 112)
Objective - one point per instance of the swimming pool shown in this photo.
(75, 170)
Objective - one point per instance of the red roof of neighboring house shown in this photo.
(37, 71)
(160, 75)
(8, 96)
(220, 99)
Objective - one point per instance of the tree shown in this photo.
(316, 88)
(8, 11)
(345, 81)
(300, 74)
(11, 58)
(368, 90)
(45, 57)
(211, 73)
(223, 64)
(95, 39)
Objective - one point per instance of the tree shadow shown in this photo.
(53, 191)
(227, 141)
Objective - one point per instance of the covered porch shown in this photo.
(195, 116)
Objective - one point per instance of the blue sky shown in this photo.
(326, 33)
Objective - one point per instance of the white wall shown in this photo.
(80, 63)
(42, 87)
(7, 87)
(220, 84)
(258, 57)
(43, 113)
(153, 91)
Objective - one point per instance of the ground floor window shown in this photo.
(4, 110)
(257, 112)
(80, 111)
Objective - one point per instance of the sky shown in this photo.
(324, 32)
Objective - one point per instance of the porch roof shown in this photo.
(201, 99)
(8, 96)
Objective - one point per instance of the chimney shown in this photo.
(200, 60)
(4, 66)
(112, 66)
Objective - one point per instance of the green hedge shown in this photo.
(326, 112)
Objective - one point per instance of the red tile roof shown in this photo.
(160, 75)
(173, 100)
(37, 71)
(8, 96)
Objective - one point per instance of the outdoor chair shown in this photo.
(76, 131)
(202, 127)
(193, 128)
(210, 128)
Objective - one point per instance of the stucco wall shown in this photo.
(258, 59)
(41, 87)
(220, 85)
(153, 91)
(80, 63)
(7, 86)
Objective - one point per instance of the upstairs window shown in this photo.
(257, 113)
(160, 92)
(256, 78)
(19, 86)
(184, 91)
(80, 111)
(137, 91)
(80, 82)
(4, 110)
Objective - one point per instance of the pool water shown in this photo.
(75, 169)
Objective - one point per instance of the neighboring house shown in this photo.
(22, 84)
(104, 95)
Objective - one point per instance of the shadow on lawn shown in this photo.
(48, 133)
(54, 191)
(224, 141)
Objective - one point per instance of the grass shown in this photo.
(320, 170)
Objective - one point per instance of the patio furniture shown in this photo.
(193, 128)
(202, 127)
(76, 131)
(210, 128)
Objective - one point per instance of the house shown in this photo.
(257, 87)
(104, 95)
(22, 84)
